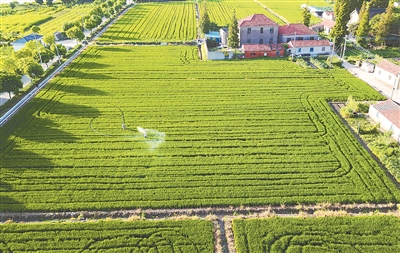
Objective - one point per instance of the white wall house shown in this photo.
(309, 47)
(19, 44)
(387, 113)
(223, 32)
(388, 72)
(325, 26)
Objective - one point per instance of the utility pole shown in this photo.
(344, 48)
(333, 50)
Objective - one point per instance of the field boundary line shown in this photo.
(220, 212)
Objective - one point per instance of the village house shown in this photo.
(355, 15)
(329, 15)
(389, 73)
(257, 29)
(19, 44)
(291, 32)
(325, 26)
(387, 113)
(309, 47)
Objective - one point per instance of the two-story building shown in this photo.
(257, 29)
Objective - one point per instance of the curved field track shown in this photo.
(226, 133)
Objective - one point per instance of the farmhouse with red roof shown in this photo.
(325, 26)
(290, 32)
(387, 113)
(262, 50)
(259, 37)
(309, 47)
(389, 73)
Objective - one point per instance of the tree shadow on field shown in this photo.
(116, 49)
(92, 75)
(57, 107)
(91, 65)
(81, 90)
(14, 162)
(45, 130)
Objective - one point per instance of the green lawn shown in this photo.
(220, 133)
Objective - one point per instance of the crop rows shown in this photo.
(221, 11)
(226, 133)
(331, 234)
(111, 236)
(291, 10)
(167, 22)
(49, 19)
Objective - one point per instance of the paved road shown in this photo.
(383, 88)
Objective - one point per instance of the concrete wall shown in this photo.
(219, 55)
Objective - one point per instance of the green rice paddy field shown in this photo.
(328, 234)
(109, 236)
(219, 133)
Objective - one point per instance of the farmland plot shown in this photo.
(166, 22)
(221, 12)
(291, 10)
(330, 234)
(116, 236)
(247, 132)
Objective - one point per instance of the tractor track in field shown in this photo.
(221, 217)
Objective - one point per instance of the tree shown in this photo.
(91, 22)
(363, 28)
(48, 39)
(75, 33)
(47, 56)
(39, 1)
(382, 28)
(58, 49)
(49, 2)
(68, 25)
(306, 16)
(34, 70)
(342, 13)
(35, 29)
(233, 32)
(205, 20)
(13, 4)
(10, 83)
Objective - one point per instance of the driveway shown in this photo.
(383, 88)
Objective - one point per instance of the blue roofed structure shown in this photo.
(19, 44)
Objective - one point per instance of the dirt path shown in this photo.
(221, 217)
